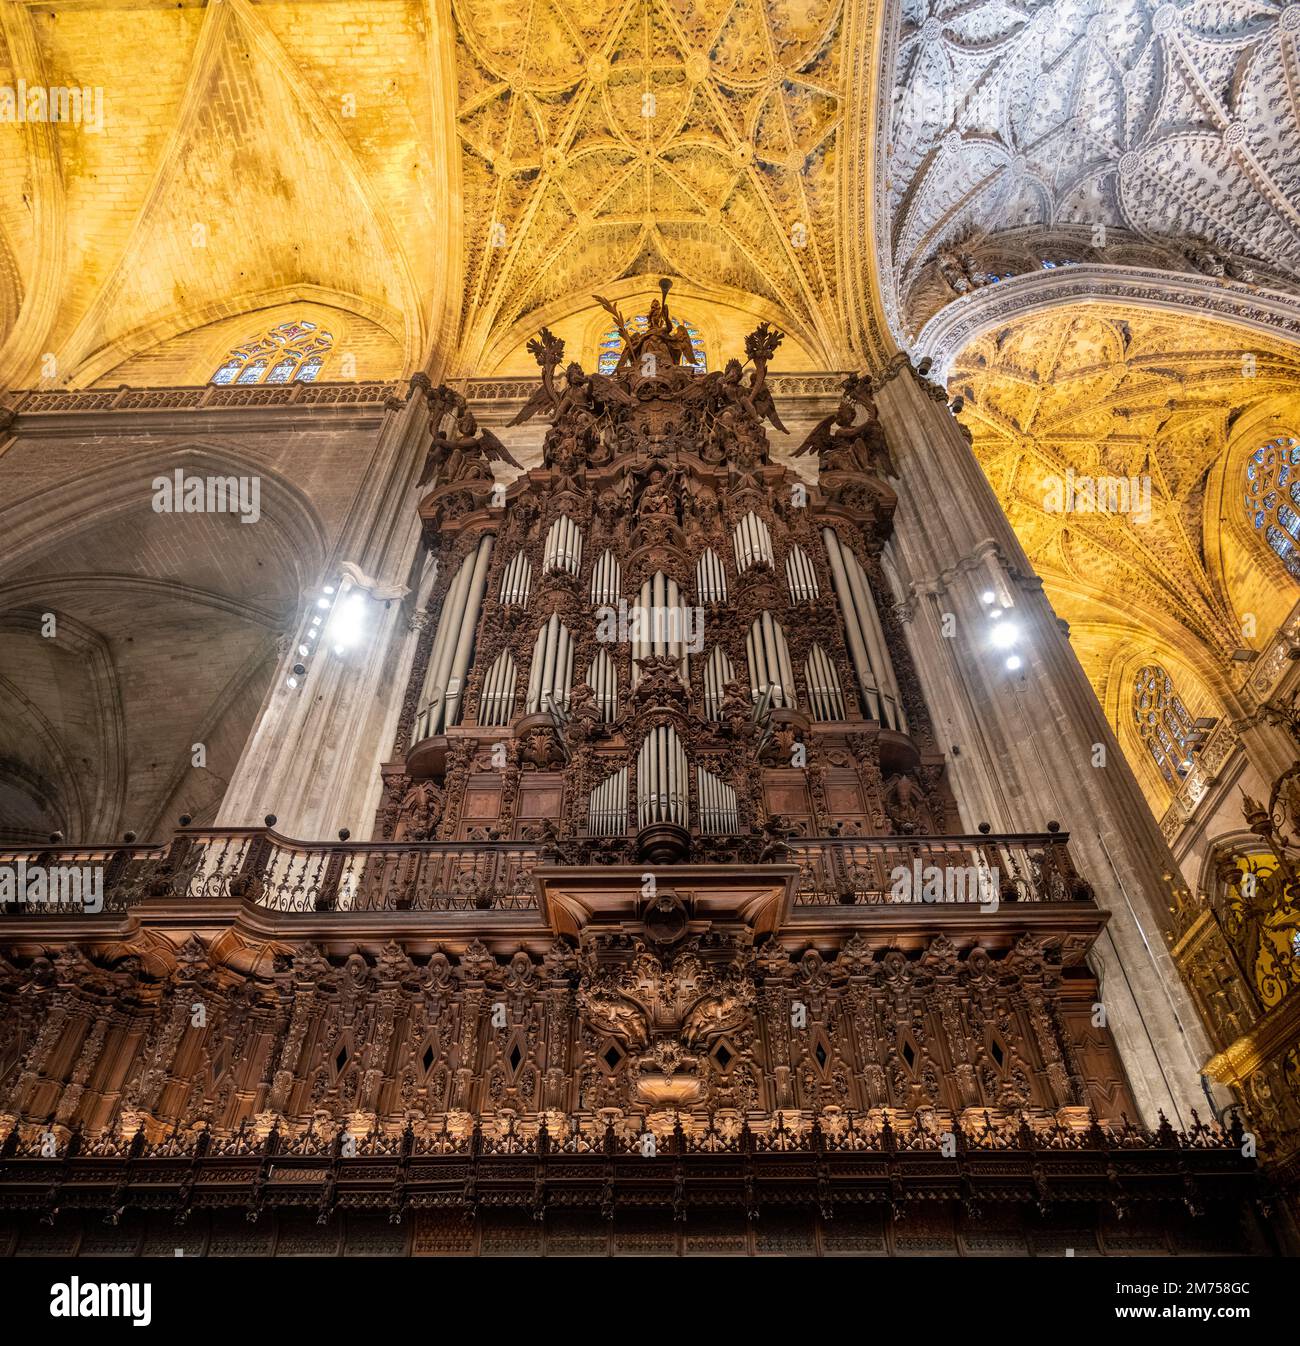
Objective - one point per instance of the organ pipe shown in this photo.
(497, 703)
(453, 643)
(551, 673)
(468, 628)
(866, 639)
(661, 778)
(660, 625)
(602, 678)
(606, 579)
(769, 661)
(563, 546)
(718, 811)
(710, 578)
(517, 581)
(751, 541)
(717, 673)
(607, 809)
(800, 575)
(825, 696)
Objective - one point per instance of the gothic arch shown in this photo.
(75, 783)
(145, 592)
(1248, 569)
(959, 323)
(115, 488)
(255, 311)
(1198, 698)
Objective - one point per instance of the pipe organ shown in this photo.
(866, 638)
(816, 650)
(552, 668)
(752, 542)
(454, 642)
(661, 778)
(769, 661)
(814, 644)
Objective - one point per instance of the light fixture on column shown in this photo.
(339, 611)
(347, 622)
(1005, 635)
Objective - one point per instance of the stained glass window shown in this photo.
(611, 345)
(292, 352)
(1163, 723)
(1273, 498)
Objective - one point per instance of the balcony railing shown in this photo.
(280, 874)
(983, 869)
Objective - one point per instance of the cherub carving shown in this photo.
(584, 714)
(608, 1011)
(906, 805)
(736, 710)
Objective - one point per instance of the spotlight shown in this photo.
(1013, 662)
(291, 682)
(1005, 636)
(323, 603)
(346, 625)
(987, 596)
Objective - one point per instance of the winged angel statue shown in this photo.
(580, 400)
(843, 445)
(465, 451)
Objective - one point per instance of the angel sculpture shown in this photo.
(727, 388)
(467, 452)
(581, 400)
(661, 342)
(736, 710)
(760, 345)
(841, 444)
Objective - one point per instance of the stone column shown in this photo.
(313, 756)
(1032, 744)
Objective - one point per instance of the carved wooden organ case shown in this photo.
(541, 688)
